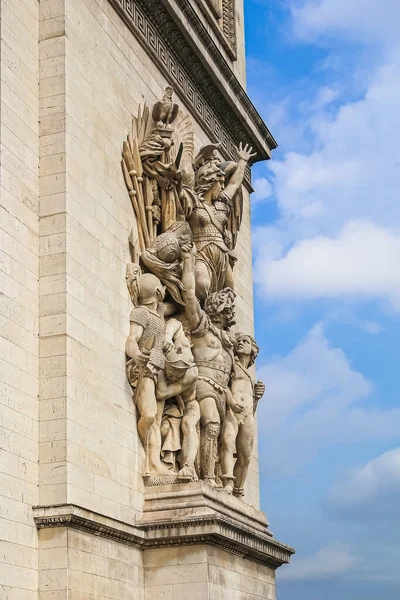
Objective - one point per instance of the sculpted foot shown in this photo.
(228, 483)
(228, 488)
(211, 482)
(187, 473)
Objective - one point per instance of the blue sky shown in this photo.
(325, 75)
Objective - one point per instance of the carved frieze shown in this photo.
(221, 16)
(222, 115)
(229, 22)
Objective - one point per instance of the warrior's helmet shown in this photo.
(144, 288)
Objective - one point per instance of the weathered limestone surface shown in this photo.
(72, 76)
(75, 565)
(19, 299)
(213, 574)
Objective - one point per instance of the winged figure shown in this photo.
(216, 217)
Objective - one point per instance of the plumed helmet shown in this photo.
(150, 289)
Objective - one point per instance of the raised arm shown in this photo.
(192, 309)
(244, 155)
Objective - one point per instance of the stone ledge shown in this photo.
(76, 517)
(222, 533)
(199, 499)
(213, 528)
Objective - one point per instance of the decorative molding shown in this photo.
(75, 517)
(229, 22)
(227, 115)
(215, 7)
(219, 18)
(221, 532)
(216, 530)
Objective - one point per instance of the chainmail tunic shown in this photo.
(153, 324)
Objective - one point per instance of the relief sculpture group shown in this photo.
(190, 373)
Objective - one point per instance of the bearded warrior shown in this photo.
(213, 354)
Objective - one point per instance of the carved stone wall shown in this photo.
(19, 297)
(64, 279)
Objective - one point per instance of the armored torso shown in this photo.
(153, 325)
(209, 224)
(212, 353)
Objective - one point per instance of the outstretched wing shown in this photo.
(157, 110)
(175, 112)
(235, 218)
(183, 134)
(236, 215)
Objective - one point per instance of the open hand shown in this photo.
(245, 153)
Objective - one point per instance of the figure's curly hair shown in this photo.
(254, 346)
(218, 303)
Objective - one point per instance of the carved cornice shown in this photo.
(213, 95)
(216, 530)
(220, 532)
(75, 517)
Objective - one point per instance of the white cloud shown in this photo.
(362, 20)
(328, 562)
(354, 170)
(371, 327)
(339, 204)
(361, 261)
(325, 96)
(371, 486)
(313, 400)
(262, 189)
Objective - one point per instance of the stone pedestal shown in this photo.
(193, 542)
(207, 545)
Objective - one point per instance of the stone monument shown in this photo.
(128, 459)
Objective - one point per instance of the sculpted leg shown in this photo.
(147, 405)
(203, 281)
(155, 442)
(244, 449)
(190, 440)
(229, 432)
(149, 426)
(210, 428)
